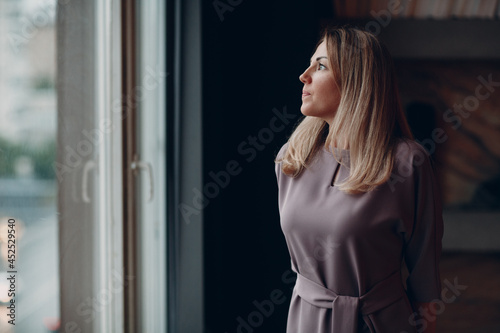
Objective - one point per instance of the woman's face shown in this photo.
(320, 95)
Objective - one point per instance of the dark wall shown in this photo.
(251, 63)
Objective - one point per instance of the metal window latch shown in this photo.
(138, 165)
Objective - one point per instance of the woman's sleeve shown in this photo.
(423, 247)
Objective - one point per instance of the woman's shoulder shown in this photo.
(410, 151)
(411, 160)
(278, 161)
(282, 151)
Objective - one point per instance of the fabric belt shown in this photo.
(346, 308)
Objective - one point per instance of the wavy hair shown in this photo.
(369, 116)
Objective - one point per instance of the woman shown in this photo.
(357, 198)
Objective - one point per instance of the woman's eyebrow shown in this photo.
(318, 58)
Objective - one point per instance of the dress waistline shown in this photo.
(346, 308)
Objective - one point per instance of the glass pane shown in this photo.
(29, 279)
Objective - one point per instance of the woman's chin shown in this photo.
(306, 111)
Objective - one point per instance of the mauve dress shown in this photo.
(345, 247)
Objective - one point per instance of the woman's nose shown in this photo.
(304, 77)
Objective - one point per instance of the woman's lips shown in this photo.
(305, 94)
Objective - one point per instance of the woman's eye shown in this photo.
(321, 66)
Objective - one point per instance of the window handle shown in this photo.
(138, 165)
(89, 166)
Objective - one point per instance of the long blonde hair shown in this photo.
(369, 115)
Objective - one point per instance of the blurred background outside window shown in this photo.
(28, 186)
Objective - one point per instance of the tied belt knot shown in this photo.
(346, 308)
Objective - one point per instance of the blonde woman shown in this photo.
(357, 198)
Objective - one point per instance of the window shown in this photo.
(29, 278)
(100, 139)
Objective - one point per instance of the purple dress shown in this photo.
(348, 250)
